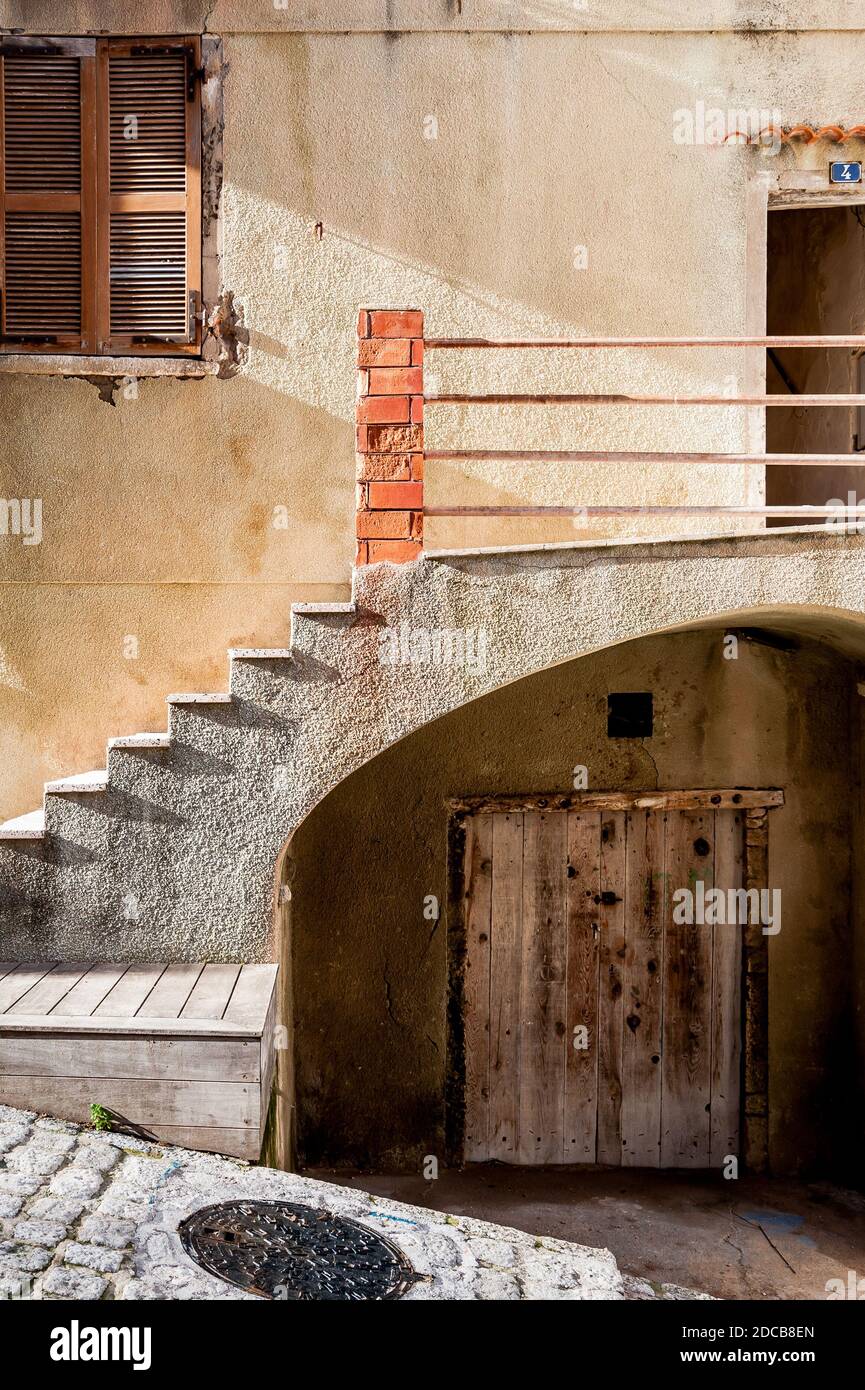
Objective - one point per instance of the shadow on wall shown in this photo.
(370, 968)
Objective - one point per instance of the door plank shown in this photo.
(643, 976)
(507, 895)
(583, 955)
(726, 994)
(611, 915)
(687, 1054)
(478, 869)
(543, 1011)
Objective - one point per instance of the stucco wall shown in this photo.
(547, 140)
(370, 970)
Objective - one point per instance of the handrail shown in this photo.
(392, 452)
(598, 398)
(773, 340)
(843, 514)
(812, 460)
(641, 456)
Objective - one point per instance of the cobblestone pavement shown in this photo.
(89, 1216)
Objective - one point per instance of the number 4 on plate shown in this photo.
(845, 173)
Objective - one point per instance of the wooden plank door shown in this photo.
(598, 1028)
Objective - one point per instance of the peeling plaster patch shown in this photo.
(106, 386)
(226, 325)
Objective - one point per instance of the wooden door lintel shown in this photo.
(710, 798)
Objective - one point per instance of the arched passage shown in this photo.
(367, 957)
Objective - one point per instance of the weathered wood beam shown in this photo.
(709, 798)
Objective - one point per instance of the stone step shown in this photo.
(313, 613)
(141, 741)
(80, 782)
(260, 653)
(30, 826)
(220, 697)
(318, 609)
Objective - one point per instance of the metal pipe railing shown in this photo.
(762, 400)
(599, 398)
(855, 340)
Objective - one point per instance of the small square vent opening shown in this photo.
(629, 714)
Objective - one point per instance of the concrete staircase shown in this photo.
(100, 869)
(119, 773)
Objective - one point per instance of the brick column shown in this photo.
(389, 435)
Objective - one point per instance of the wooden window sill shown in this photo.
(48, 364)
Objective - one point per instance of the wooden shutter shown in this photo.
(47, 194)
(100, 196)
(149, 196)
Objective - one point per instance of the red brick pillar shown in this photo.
(389, 435)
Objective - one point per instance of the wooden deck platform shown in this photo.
(186, 1051)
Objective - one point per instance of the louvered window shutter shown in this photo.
(100, 196)
(149, 199)
(47, 194)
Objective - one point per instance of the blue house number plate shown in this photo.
(845, 173)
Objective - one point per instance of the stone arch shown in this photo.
(833, 636)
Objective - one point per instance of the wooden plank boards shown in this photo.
(89, 992)
(64, 1025)
(130, 992)
(211, 992)
(178, 1059)
(687, 1032)
(194, 992)
(505, 976)
(583, 879)
(185, 1051)
(478, 881)
(643, 977)
(236, 1143)
(611, 916)
(170, 992)
(542, 989)
(251, 995)
(726, 995)
(575, 939)
(50, 990)
(147, 1102)
(19, 980)
(710, 798)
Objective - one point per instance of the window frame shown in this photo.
(95, 202)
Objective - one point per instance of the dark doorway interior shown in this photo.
(816, 284)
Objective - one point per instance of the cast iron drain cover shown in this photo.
(285, 1250)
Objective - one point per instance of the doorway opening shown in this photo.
(815, 285)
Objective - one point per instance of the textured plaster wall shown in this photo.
(370, 973)
(348, 16)
(547, 141)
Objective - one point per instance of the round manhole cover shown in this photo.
(285, 1250)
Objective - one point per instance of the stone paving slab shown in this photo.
(95, 1216)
